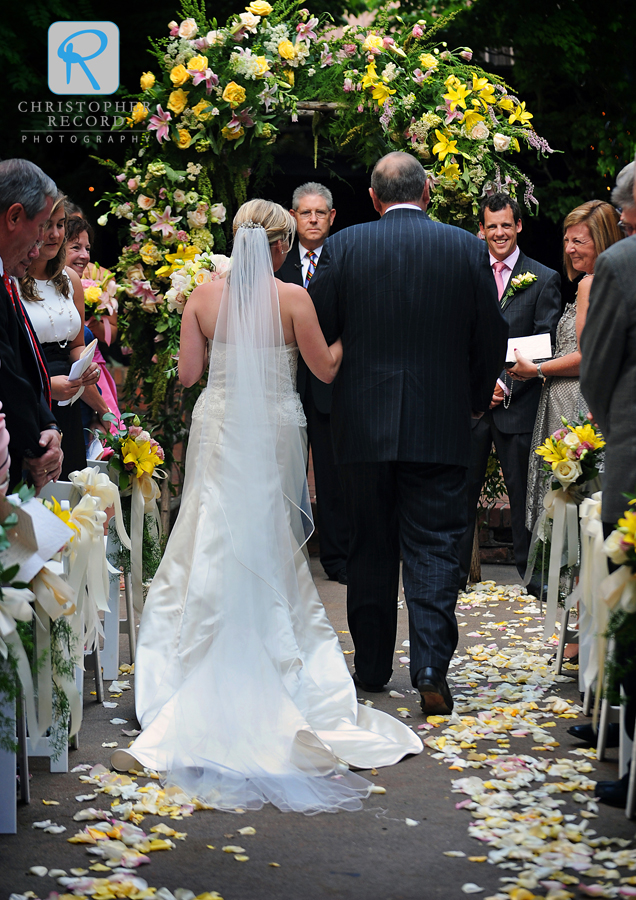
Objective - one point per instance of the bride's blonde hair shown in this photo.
(276, 221)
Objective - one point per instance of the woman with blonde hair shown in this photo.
(242, 691)
(587, 231)
(53, 299)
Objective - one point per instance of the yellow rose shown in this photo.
(199, 110)
(139, 113)
(263, 66)
(92, 294)
(185, 139)
(259, 8)
(150, 253)
(289, 75)
(177, 101)
(286, 50)
(179, 75)
(147, 81)
(230, 135)
(428, 61)
(373, 42)
(198, 64)
(234, 94)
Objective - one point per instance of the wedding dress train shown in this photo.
(242, 690)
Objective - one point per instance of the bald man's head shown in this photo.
(398, 178)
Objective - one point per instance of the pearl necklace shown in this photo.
(66, 305)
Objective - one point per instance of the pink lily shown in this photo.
(148, 296)
(326, 57)
(306, 30)
(159, 123)
(451, 114)
(388, 42)
(208, 76)
(348, 85)
(267, 96)
(418, 76)
(164, 222)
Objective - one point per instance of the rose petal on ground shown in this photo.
(38, 870)
(247, 830)
(232, 848)
(396, 695)
(471, 888)
(108, 705)
(51, 802)
(110, 744)
(240, 857)
(454, 853)
(118, 721)
(411, 822)
(44, 824)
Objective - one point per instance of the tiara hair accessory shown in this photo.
(250, 224)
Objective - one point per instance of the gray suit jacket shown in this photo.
(534, 310)
(608, 369)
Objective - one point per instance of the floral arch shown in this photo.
(208, 116)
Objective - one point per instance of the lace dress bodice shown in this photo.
(566, 332)
(290, 408)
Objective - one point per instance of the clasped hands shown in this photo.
(47, 467)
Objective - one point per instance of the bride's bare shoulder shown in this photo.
(206, 294)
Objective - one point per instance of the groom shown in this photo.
(424, 341)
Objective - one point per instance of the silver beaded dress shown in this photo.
(560, 397)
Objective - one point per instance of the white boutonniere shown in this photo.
(518, 283)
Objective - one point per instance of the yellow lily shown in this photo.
(381, 93)
(628, 526)
(586, 433)
(521, 115)
(371, 78)
(471, 117)
(506, 103)
(479, 84)
(457, 96)
(143, 456)
(450, 170)
(444, 145)
(63, 514)
(551, 452)
(178, 259)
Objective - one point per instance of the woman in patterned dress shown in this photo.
(587, 231)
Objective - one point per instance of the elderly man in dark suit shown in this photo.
(513, 409)
(415, 304)
(26, 198)
(312, 207)
(608, 383)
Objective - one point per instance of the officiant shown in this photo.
(312, 207)
(531, 305)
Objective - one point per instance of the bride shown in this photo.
(242, 691)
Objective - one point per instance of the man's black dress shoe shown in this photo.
(614, 793)
(434, 692)
(367, 688)
(587, 733)
(340, 576)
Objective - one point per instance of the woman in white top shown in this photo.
(54, 301)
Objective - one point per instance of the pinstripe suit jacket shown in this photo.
(424, 340)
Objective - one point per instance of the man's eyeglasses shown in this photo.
(626, 228)
(318, 213)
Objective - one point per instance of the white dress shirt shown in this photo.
(510, 261)
(304, 259)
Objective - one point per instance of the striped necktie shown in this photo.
(313, 259)
(21, 314)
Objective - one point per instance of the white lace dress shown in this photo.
(234, 721)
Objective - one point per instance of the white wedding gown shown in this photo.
(242, 690)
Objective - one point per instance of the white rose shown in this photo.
(175, 300)
(500, 142)
(197, 218)
(567, 472)
(571, 440)
(217, 213)
(203, 276)
(215, 37)
(479, 132)
(103, 219)
(188, 29)
(179, 196)
(221, 263)
(145, 202)
(142, 437)
(249, 21)
(612, 547)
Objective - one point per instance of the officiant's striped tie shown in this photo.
(313, 259)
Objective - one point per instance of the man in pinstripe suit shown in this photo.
(424, 341)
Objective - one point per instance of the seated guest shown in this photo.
(608, 383)
(54, 300)
(26, 200)
(509, 422)
(587, 231)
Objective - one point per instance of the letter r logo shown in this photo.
(83, 57)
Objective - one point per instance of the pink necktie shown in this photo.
(498, 268)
